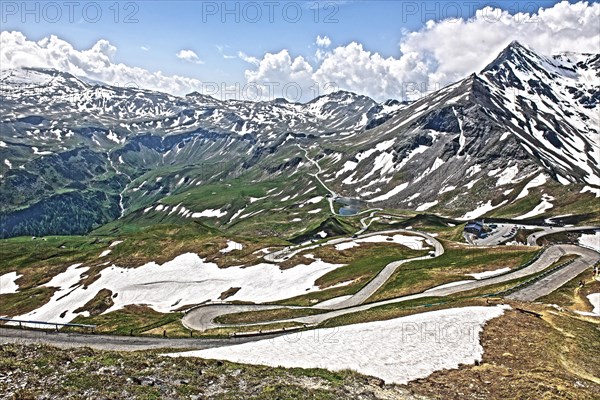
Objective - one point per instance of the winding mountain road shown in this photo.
(334, 195)
(549, 230)
(117, 343)
(557, 279)
(203, 317)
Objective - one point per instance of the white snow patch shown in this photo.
(562, 180)
(535, 182)
(255, 199)
(540, 208)
(472, 183)
(390, 194)
(508, 176)
(40, 153)
(237, 214)
(231, 246)
(7, 283)
(586, 189)
(594, 298)
(591, 241)
(104, 253)
(187, 279)
(113, 136)
(115, 243)
(314, 200)
(419, 150)
(489, 274)
(397, 350)
(414, 196)
(494, 172)
(348, 166)
(209, 214)
(482, 210)
(346, 245)
(250, 214)
(383, 146)
(473, 170)
(426, 206)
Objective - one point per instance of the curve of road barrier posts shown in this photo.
(531, 281)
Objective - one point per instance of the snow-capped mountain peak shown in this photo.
(525, 121)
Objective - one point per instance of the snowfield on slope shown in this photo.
(187, 279)
(539, 209)
(481, 210)
(7, 283)
(398, 350)
(591, 241)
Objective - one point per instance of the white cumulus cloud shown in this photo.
(189, 56)
(457, 47)
(440, 53)
(95, 63)
(323, 41)
(280, 75)
(249, 59)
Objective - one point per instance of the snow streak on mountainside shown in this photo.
(522, 114)
(55, 97)
(526, 121)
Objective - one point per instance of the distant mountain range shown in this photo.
(522, 135)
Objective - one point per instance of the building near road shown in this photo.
(475, 228)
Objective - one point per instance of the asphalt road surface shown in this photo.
(200, 318)
(203, 317)
(115, 343)
(532, 239)
(554, 281)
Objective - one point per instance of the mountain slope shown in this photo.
(521, 133)
(522, 116)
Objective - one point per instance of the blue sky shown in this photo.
(166, 27)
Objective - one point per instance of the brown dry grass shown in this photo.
(101, 302)
(572, 296)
